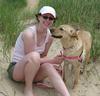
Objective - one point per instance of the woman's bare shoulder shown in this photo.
(28, 32)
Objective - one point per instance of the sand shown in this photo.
(89, 83)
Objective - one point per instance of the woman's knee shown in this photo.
(34, 57)
(47, 66)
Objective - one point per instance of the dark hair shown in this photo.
(39, 14)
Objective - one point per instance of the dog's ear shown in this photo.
(77, 31)
(52, 29)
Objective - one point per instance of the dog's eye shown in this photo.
(61, 29)
(77, 29)
(71, 31)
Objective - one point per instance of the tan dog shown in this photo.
(76, 49)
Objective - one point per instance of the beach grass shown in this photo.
(85, 13)
(12, 19)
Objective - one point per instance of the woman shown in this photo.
(30, 62)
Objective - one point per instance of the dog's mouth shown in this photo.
(57, 36)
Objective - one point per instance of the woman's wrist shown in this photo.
(46, 60)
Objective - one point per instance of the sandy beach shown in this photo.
(89, 83)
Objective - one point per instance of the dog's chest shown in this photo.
(75, 50)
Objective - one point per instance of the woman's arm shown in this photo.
(47, 47)
(55, 60)
(29, 42)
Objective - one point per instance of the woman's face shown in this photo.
(46, 20)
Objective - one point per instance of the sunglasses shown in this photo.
(47, 17)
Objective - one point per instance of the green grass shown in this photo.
(12, 18)
(85, 13)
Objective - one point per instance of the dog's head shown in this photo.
(64, 31)
(67, 34)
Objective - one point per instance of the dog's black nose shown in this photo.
(52, 30)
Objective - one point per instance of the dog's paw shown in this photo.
(81, 69)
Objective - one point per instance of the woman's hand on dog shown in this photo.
(55, 60)
(58, 59)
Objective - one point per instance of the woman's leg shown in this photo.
(56, 80)
(26, 69)
(29, 69)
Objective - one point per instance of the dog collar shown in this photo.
(71, 57)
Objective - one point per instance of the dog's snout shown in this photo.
(52, 30)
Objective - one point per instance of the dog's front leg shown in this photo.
(76, 72)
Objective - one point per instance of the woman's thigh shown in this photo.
(18, 72)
